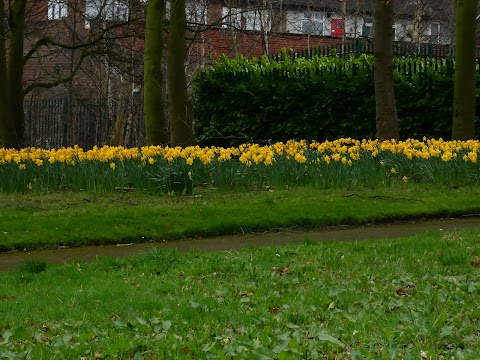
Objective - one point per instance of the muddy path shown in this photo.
(273, 237)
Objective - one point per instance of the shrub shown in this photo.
(263, 100)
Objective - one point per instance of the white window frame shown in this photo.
(293, 24)
(253, 20)
(435, 25)
(435, 38)
(312, 20)
(117, 10)
(57, 9)
(232, 17)
(196, 11)
(121, 11)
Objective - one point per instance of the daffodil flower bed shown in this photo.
(331, 164)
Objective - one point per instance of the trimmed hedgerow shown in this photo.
(260, 100)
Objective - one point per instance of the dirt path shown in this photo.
(282, 236)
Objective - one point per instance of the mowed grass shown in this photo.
(29, 221)
(410, 298)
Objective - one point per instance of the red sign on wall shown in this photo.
(336, 26)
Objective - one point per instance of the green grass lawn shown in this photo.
(410, 298)
(32, 221)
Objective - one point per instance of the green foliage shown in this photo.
(321, 98)
(409, 298)
(34, 266)
(173, 178)
(35, 221)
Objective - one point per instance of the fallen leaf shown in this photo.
(407, 289)
(476, 262)
(281, 271)
(45, 329)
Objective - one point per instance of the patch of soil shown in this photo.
(272, 237)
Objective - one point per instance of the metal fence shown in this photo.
(365, 46)
(61, 122)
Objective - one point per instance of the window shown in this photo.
(252, 20)
(232, 17)
(312, 23)
(107, 10)
(408, 32)
(196, 12)
(435, 33)
(57, 9)
(367, 29)
(121, 11)
(400, 32)
(257, 20)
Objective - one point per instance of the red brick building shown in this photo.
(233, 27)
(101, 42)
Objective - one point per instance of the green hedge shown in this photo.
(260, 100)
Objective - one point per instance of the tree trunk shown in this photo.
(5, 126)
(463, 127)
(385, 110)
(180, 115)
(343, 13)
(155, 123)
(12, 127)
(417, 23)
(265, 19)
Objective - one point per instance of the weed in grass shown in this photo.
(34, 266)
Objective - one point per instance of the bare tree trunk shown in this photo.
(264, 19)
(233, 31)
(343, 13)
(417, 23)
(153, 74)
(386, 109)
(6, 127)
(121, 118)
(11, 75)
(465, 75)
(180, 114)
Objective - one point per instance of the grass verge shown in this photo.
(76, 219)
(411, 298)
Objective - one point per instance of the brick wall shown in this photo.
(251, 44)
(51, 63)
